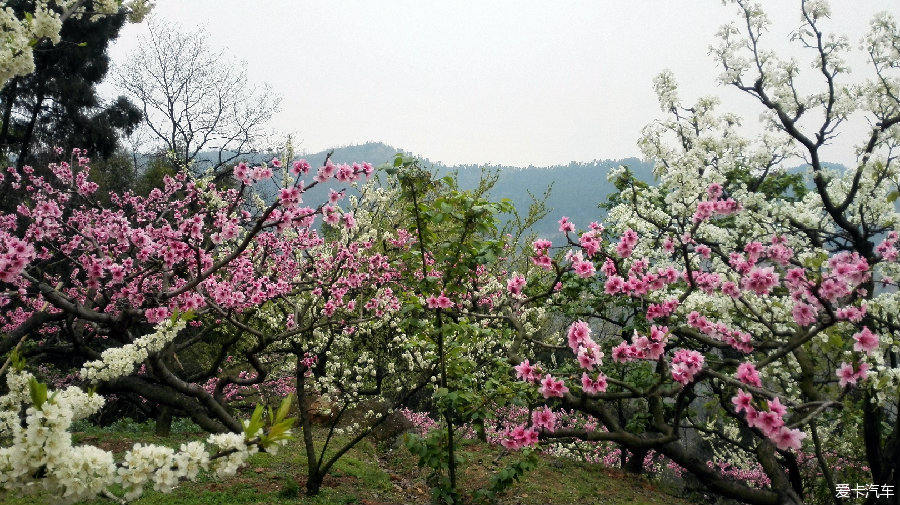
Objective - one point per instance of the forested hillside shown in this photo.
(576, 188)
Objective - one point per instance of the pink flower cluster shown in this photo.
(886, 248)
(627, 242)
(639, 283)
(251, 175)
(439, 302)
(15, 254)
(519, 437)
(770, 421)
(515, 284)
(527, 372)
(714, 204)
(865, 341)
(590, 240)
(342, 172)
(565, 225)
(685, 365)
(544, 418)
(747, 373)
(593, 386)
(737, 339)
(660, 310)
(551, 387)
(848, 376)
(583, 268)
(760, 280)
(583, 346)
(541, 258)
(650, 347)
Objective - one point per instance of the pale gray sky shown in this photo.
(511, 82)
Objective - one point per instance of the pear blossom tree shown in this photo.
(750, 311)
(43, 23)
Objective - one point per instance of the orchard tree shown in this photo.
(84, 285)
(456, 261)
(751, 321)
(197, 103)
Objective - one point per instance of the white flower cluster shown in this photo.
(45, 22)
(224, 442)
(119, 361)
(41, 456)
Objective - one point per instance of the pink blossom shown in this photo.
(776, 406)
(847, 376)
(866, 341)
(551, 387)
(349, 220)
(594, 386)
(729, 288)
(786, 438)
(590, 243)
(156, 315)
(769, 422)
(543, 262)
(614, 284)
(515, 284)
(853, 314)
(804, 314)
(742, 401)
(579, 333)
(439, 302)
(589, 356)
(526, 372)
(544, 418)
(290, 197)
(541, 246)
(747, 374)
(685, 365)
(669, 245)
(565, 225)
(519, 437)
(242, 173)
(584, 269)
(300, 167)
(760, 280)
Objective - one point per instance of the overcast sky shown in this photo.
(504, 82)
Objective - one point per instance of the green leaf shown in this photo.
(255, 423)
(38, 392)
(892, 196)
(17, 361)
(284, 408)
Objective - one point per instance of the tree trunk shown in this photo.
(634, 463)
(313, 475)
(11, 90)
(313, 483)
(164, 421)
(29, 130)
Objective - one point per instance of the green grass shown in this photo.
(373, 475)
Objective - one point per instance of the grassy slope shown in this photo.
(370, 476)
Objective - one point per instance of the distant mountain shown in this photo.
(577, 189)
